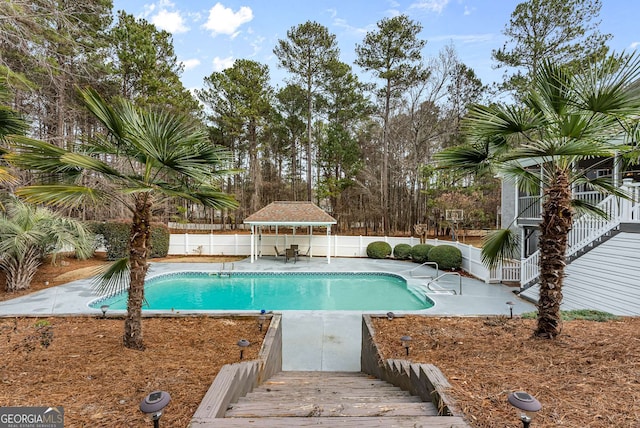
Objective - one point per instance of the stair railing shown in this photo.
(585, 230)
(588, 228)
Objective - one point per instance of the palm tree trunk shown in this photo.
(140, 237)
(556, 222)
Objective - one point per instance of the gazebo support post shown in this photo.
(253, 230)
(328, 244)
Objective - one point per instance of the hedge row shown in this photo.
(446, 256)
(115, 238)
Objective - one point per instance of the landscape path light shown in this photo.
(510, 303)
(526, 405)
(153, 404)
(390, 316)
(243, 343)
(405, 340)
(104, 309)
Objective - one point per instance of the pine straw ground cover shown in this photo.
(79, 363)
(587, 377)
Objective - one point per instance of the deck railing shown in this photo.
(530, 207)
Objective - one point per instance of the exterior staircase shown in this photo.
(607, 278)
(332, 399)
(587, 232)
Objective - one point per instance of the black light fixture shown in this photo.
(243, 343)
(510, 303)
(405, 342)
(104, 309)
(390, 316)
(153, 404)
(526, 405)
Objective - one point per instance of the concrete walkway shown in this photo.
(312, 340)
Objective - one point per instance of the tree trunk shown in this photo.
(309, 121)
(556, 222)
(255, 171)
(20, 271)
(140, 238)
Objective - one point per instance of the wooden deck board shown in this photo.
(346, 422)
(253, 409)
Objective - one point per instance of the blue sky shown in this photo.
(209, 35)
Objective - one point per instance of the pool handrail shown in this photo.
(423, 264)
(446, 289)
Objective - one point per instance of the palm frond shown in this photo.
(60, 194)
(499, 246)
(551, 148)
(505, 120)
(39, 156)
(602, 185)
(610, 87)
(527, 180)
(6, 177)
(215, 199)
(472, 159)
(112, 119)
(583, 207)
(113, 279)
(11, 123)
(81, 161)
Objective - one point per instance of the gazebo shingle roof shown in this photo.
(291, 213)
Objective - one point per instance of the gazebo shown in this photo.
(289, 214)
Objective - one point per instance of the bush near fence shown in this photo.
(336, 246)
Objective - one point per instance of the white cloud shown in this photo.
(190, 64)
(256, 44)
(465, 38)
(220, 64)
(468, 10)
(223, 20)
(634, 45)
(430, 5)
(342, 23)
(169, 21)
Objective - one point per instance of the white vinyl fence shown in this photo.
(316, 246)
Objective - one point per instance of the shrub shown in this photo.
(420, 253)
(447, 256)
(160, 235)
(378, 250)
(116, 238)
(402, 251)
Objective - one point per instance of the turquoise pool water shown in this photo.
(276, 291)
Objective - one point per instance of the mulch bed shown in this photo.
(587, 377)
(80, 363)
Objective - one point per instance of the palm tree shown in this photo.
(565, 118)
(145, 156)
(28, 233)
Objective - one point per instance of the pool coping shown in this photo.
(478, 298)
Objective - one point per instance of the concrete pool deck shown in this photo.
(312, 340)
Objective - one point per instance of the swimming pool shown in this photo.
(275, 291)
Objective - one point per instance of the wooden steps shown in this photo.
(340, 399)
